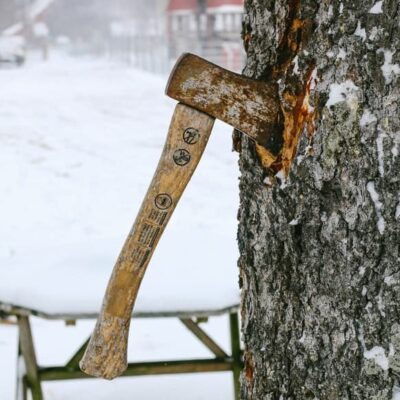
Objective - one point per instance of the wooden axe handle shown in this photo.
(106, 354)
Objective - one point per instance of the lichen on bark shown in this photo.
(319, 248)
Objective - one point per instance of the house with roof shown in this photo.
(210, 28)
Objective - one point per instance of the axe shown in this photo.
(205, 92)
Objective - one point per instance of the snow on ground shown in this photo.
(79, 143)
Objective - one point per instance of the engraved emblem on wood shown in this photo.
(181, 157)
(163, 201)
(191, 136)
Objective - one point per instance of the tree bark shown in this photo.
(319, 227)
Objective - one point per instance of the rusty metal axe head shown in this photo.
(248, 105)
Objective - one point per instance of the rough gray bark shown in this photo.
(320, 260)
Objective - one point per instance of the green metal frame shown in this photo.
(34, 374)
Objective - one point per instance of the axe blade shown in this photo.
(249, 105)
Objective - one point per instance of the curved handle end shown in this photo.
(105, 356)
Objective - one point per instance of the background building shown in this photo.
(210, 28)
(149, 34)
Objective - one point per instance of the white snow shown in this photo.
(8, 352)
(380, 304)
(339, 92)
(389, 70)
(377, 353)
(314, 79)
(367, 118)
(268, 181)
(364, 291)
(360, 32)
(341, 8)
(342, 54)
(283, 179)
(80, 145)
(14, 29)
(378, 206)
(396, 393)
(294, 222)
(80, 141)
(374, 33)
(377, 8)
(296, 65)
(389, 280)
(11, 46)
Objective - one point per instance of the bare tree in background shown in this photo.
(320, 266)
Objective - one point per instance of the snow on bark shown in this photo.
(389, 70)
(396, 393)
(367, 118)
(377, 8)
(360, 32)
(341, 92)
(319, 256)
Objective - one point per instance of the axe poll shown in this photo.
(205, 92)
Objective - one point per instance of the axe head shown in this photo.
(251, 106)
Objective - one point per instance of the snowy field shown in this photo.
(80, 140)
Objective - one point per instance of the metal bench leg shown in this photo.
(28, 352)
(21, 392)
(236, 352)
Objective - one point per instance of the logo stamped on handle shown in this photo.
(191, 135)
(163, 201)
(181, 157)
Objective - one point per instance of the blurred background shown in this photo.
(149, 34)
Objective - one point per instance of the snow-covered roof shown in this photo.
(13, 29)
(38, 8)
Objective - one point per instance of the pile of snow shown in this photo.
(80, 142)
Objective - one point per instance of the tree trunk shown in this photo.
(319, 228)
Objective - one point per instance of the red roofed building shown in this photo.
(220, 3)
(175, 5)
(210, 28)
